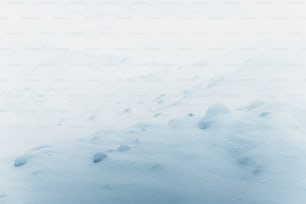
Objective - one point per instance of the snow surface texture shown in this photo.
(152, 102)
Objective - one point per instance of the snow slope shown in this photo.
(152, 102)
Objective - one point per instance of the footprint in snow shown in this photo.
(127, 110)
(22, 160)
(156, 115)
(213, 114)
(160, 99)
(251, 165)
(123, 148)
(2, 196)
(156, 166)
(25, 158)
(92, 117)
(98, 157)
(264, 114)
(190, 114)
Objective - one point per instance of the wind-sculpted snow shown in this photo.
(152, 102)
(242, 156)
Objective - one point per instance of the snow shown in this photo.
(22, 160)
(213, 112)
(123, 148)
(98, 157)
(133, 102)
